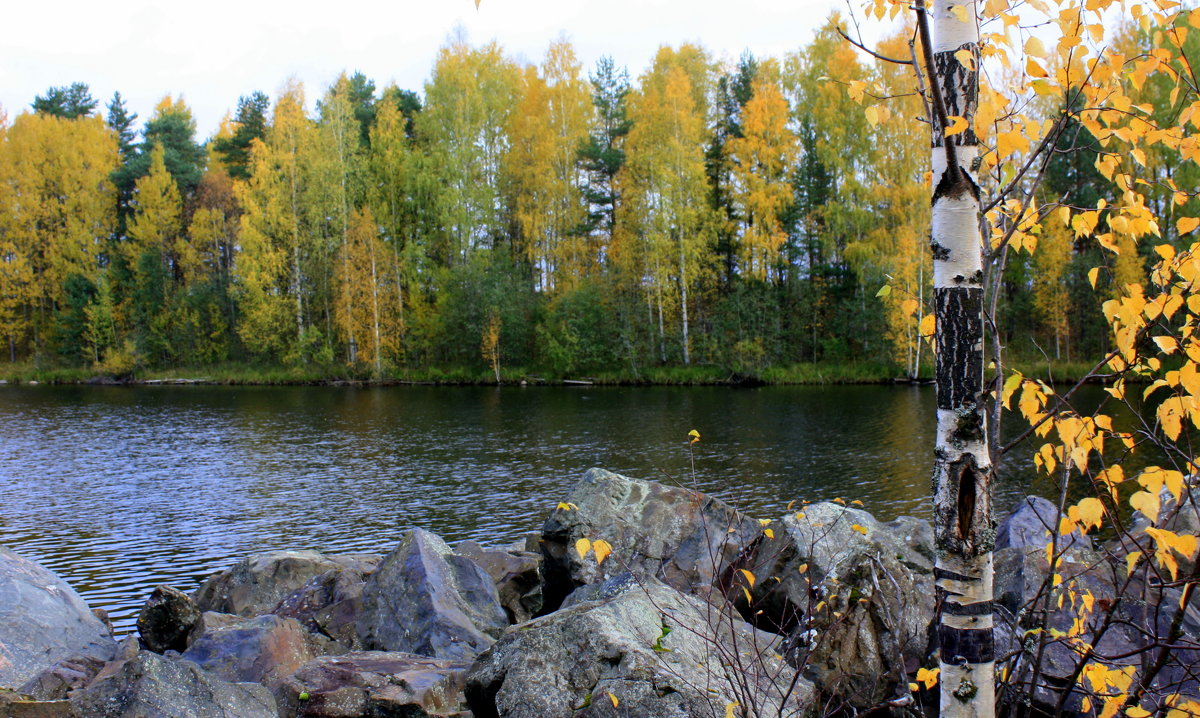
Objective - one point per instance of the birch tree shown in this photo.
(962, 464)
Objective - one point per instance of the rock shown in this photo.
(517, 574)
(152, 686)
(1027, 526)
(166, 619)
(374, 684)
(1140, 618)
(13, 705)
(254, 650)
(257, 583)
(42, 621)
(855, 596)
(57, 681)
(658, 651)
(329, 605)
(424, 599)
(675, 534)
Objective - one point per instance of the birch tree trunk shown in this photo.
(962, 467)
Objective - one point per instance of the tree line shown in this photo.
(743, 214)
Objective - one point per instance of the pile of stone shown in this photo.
(696, 609)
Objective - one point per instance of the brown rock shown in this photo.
(374, 684)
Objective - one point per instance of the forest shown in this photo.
(743, 215)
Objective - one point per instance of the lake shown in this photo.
(118, 489)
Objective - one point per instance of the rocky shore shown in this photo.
(634, 599)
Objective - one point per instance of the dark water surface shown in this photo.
(118, 489)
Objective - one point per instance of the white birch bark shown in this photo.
(962, 468)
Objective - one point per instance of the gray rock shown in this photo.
(853, 594)
(517, 574)
(166, 619)
(42, 621)
(264, 649)
(658, 651)
(257, 583)
(681, 536)
(152, 686)
(374, 684)
(1029, 524)
(424, 599)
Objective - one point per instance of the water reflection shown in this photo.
(118, 488)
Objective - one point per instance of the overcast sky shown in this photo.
(216, 50)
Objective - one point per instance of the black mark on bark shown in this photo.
(959, 346)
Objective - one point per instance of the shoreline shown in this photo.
(819, 374)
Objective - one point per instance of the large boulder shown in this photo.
(656, 651)
(517, 574)
(166, 619)
(427, 600)
(681, 536)
(42, 621)
(1084, 592)
(152, 686)
(263, 649)
(1029, 526)
(374, 683)
(855, 595)
(257, 583)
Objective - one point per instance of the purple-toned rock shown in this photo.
(374, 683)
(517, 574)
(424, 599)
(253, 650)
(1028, 526)
(329, 605)
(257, 583)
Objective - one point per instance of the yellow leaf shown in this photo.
(1131, 561)
(1033, 68)
(693, 436)
(614, 700)
(884, 291)
(928, 676)
(582, 546)
(872, 114)
(1085, 705)
(965, 57)
(861, 529)
(1187, 224)
(1034, 46)
(602, 549)
(908, 306)
(856, 502)
(803, 568)
(1136, 712)
(749, 576)
(563, 506)
(1168, 345)
(769, 533)
(730, 708)
(1147, 502)
(927, 326)
(1088, 512)
(958, 124)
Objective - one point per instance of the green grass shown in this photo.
(845, 372)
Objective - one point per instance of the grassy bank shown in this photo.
(705, 375)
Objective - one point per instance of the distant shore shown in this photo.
(820, 373)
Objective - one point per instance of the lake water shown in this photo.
(118, 489)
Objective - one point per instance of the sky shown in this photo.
(214, 51)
